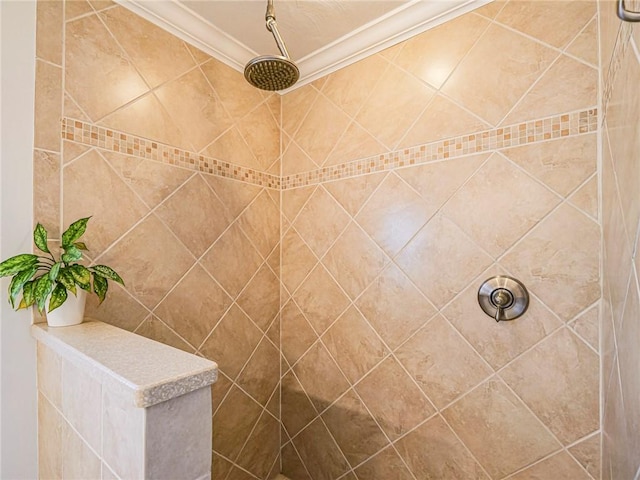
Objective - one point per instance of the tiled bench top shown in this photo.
(150, 371)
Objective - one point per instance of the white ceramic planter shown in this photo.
(71, 312)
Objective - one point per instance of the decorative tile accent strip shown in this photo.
(564, 125)
(569, 124)
(101, 137)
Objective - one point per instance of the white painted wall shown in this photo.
(18, 396)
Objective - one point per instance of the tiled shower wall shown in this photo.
(479, 140)
(199, 252)
(390, 370)
(620, 58)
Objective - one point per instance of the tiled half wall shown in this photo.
(361, 212)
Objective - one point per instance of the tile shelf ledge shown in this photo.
(145, 371)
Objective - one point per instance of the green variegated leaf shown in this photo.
(81, 246)
(40, 238)
(28, 294)
(42, 290)
(67, 279)
(74, 232)
(107, 272)
(58, 297)
(81, 276)
(55, 270)
(16, 264)
(100, 286)
(18, 282)
(72, 254)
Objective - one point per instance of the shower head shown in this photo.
(272, 72)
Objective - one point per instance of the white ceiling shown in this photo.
(321, 35)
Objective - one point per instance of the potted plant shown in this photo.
(44, 280)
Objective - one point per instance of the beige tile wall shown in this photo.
(390, 368)
(199, 252)
(620, 217)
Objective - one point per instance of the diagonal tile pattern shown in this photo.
(320, 299)
(193, 205)
(427, 357)
(320, 205)
(192, 94)
(450, 257)
(356, 444)
(354, 260)
(384, 354)
(421, 240)
(394, 307)
(193, 317)
(176, 237)
(569, 405)
(143, 43)
(554, 261)
(392, 224)
(509, 201)
(393, 399)
(91, 186)
(97, 73)
(566, 86)
(150, 273)
(518, 54)
(434, 451)
(556, 27)
(320, 376)
(503, 420)
(353, 344)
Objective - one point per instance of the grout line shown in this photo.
(570, 44)
(74, 160)
(570, 196)
(295, 449)
(514, 108)
(76, 105)
(463, 444)
(303, 117)
(220, 372)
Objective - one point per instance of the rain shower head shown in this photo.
(272, 72)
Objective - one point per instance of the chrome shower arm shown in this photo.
(273, 28)
(270, 18)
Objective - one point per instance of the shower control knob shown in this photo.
(503, 298)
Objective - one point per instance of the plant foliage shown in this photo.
(39, 277)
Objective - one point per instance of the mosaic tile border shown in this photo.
(564, 125)
(558, 126)
(115, 141)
